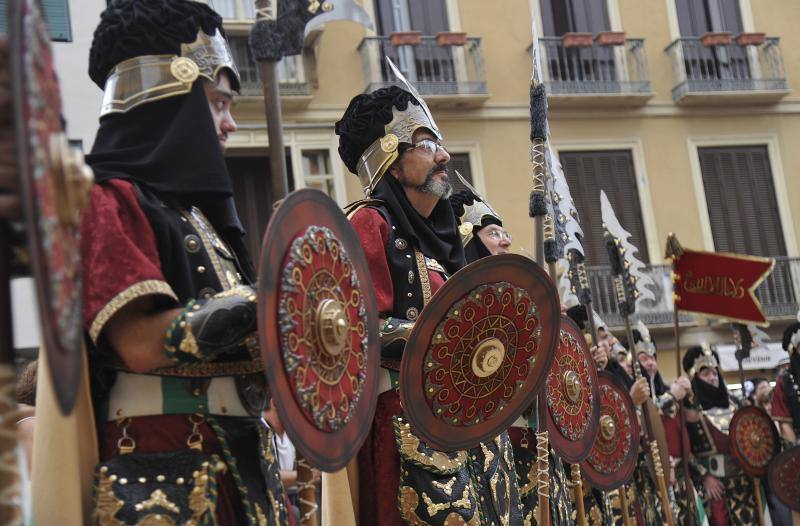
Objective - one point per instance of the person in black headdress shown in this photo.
(169, 307)
(729, 494)
(409, 235)
(786, 396)
(481, 228)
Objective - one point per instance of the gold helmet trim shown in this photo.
(148, 78)
(706, 359)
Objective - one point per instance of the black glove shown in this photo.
(209, 327)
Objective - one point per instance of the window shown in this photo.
(613, 172)
(56, 13)
(291, 74)
(317, 172)
(234, 9)
(459, 162)
(740, 196)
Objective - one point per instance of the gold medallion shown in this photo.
(465, 228)
(184, 70)
(389, 143)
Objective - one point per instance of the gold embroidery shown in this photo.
(262, 519)
(156, 519)
(464, 501)
(198, 502)
(239, 290)
(454, 519)
(158, 499)
(441, 462)
(409, 500)
(188, 344)
(434, 507)
(488, 456)
(446, 487)
(424, 278)
(210, 369)
(135, 291)
(503, 512)
(107, 504)
(201, 225)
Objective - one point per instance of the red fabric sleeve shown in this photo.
(120, 258)
(780, 403)
(373, 231)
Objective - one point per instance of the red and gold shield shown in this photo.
(318, 328)
(573, 396)
(754, 440)
(479, 352)
(612, 458)
(54, 185)
(784, 477)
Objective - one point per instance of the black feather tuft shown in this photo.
(537, 206)
(266, 42)
(538, 112)
(551, 254)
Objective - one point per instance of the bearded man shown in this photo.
(409, 235)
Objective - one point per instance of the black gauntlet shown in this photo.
(209, 327)
(394, 335)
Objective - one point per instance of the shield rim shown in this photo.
(778, 461)
(332, 451)
(63, 361)
(737, 452)
(574, 451)
(435, 433)
(622, 476)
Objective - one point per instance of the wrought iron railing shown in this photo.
(779, 294)
(432, 68)
(596, 69)
(726, 67)
(291, 72)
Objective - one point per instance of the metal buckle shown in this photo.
(195, 440)
(125, 444)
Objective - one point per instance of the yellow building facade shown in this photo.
(686, 111)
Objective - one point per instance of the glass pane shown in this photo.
(316, 162)
(324, 185)
(249, 9)
(225, 8)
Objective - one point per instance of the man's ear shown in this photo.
(394, 169)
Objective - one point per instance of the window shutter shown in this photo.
(740, 196)
(460, 162)
(57, 14)
(3, 17)
(611, 171)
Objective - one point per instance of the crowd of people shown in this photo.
(185, 428)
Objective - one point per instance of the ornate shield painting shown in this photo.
(318, 328)
(573, 396)
(54, 185)
(784, 477)
(754, 440)
(479, 352)
(612, 459)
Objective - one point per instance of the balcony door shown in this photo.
(427, 64)
(577, 64)
(698, 17)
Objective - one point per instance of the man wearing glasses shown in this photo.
(412, 245)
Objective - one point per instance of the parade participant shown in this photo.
(168, 304)
(481, 228)
(482, 235)
(729, 494)
(786, 396)
(409, 235)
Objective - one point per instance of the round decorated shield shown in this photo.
(573, 397)
(479, 352)
(54, 186)
(754, 440)
(612, 459)
(784, 477)
(318, 328)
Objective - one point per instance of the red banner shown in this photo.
(720, 285)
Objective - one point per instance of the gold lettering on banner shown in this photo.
(710, 285)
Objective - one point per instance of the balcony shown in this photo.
(721, 71)
(294, 88)
(446, 75)
(778, 294)
(594, 71)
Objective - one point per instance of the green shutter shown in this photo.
(57, 14)
(3, 17)
(55, 11)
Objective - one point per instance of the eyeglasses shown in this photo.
(429, 146)
(497, 235)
